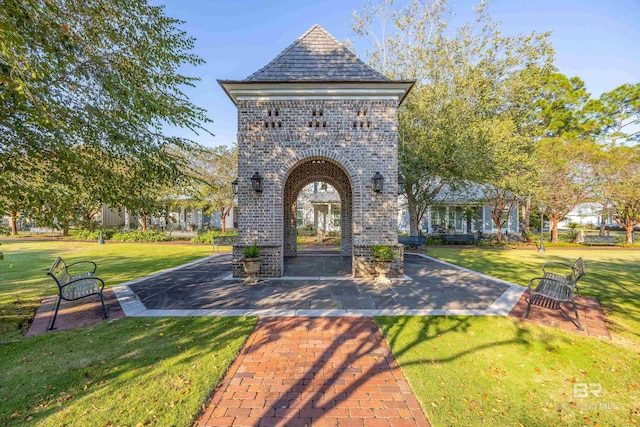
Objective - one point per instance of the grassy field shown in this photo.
(612, 277)
(23, 279)
(499, 372)
(473, 371)
(134, 371)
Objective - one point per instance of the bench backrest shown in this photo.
(412, 240)
(59, 272)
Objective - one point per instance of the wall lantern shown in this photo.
(377, 182)
(400, 184)
(234, 186)
(256, 182)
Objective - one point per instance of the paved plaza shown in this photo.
(318, 284)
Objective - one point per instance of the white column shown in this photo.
(330, 217)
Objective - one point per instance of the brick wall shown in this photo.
(282, 139)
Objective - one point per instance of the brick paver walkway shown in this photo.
(314, 371)
(589, 311)
(72, 314)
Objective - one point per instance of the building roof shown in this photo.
(316, 57)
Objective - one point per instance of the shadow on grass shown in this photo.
(149, 371)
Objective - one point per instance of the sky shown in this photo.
(596, 40)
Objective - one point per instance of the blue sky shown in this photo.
(596, 40)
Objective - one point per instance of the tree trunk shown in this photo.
(65, 229)
(413, 217)
(629, 229)
(554, 229)
(144, 222)
(603, 230)
(498, 232)
(223, 222)
(526, 210)
(14, 223)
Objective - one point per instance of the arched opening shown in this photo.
(316, 171)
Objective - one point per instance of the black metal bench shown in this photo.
(223, 241)
(458, 238)
(412, 242)
(600, 240)
(551, 293)
(555, 288)
(72, 287)
(567, 274)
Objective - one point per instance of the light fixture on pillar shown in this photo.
(400, 184)
(234, 186)
(377, 181)
(256, 182)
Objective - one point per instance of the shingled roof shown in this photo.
(316, 57)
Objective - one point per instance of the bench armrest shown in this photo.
(83, 262)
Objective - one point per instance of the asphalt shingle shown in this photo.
(315, 57)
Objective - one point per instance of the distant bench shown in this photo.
(600, 240)
(223, 241)
(412, 242)
(458, 238)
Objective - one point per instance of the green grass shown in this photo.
(23, 279)
(499, 372)
(612, 278)
(133, 371)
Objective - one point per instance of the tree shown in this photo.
(620, 189)
(94, 74)
(566, 176)
(467, 79)
(618, 113)
(214, 169)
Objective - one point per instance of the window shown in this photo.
(336, 218)
(299, 218)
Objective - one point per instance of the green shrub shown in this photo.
(141, 236)
(308, 227)
(383, 252)
(209, 235)
(95, 235)
(251, 251)
(431, 240)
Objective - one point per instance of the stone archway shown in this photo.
(310, 170)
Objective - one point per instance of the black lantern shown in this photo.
(256, 182)
(377, 182)
(234, 186)
(400, 184)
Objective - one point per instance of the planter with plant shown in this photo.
(383, 256)
(251, 263)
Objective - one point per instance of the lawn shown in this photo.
(23, 279)
(498, 371)
(494, 371)
(612, 278)
(133, 371)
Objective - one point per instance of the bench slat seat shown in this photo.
(72, 287)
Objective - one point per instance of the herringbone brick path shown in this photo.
(314, 371)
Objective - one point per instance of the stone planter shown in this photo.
(382, 268)
(251, 269)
